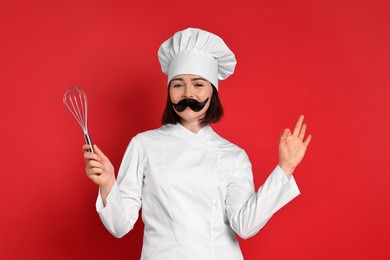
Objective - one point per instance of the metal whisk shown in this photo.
(76, 102)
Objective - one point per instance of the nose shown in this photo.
(187, 93)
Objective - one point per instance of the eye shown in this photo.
(177, 85)
(198, 85)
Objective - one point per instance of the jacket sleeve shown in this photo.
(249, 211)
(124, 200)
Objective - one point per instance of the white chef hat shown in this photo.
(195, 51)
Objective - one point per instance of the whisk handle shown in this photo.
(88, 140)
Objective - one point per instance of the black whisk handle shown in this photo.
(88, 140)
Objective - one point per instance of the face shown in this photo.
(190, 86)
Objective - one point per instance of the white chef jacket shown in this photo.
(196, 192)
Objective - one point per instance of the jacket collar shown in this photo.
(180, 130)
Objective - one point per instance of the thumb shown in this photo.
(99, 152)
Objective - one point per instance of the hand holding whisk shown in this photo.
(76, 102)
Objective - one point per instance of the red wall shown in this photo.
(329, 60)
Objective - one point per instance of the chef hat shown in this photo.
(195, 51)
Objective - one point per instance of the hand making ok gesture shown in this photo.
(292, 147)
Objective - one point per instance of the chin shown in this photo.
(189, 115)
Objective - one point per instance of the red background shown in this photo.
(328, 60)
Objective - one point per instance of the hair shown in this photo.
(213, 113)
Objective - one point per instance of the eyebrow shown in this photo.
(193, 79)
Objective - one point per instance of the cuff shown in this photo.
(286, 180)
(114, 193)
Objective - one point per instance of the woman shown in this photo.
(196, 188)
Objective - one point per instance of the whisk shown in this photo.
(76, 102)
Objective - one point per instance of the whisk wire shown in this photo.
(83, 106)
(79, 113)
(85, 110)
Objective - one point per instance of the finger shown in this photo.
(286, 133)
(86, 147)
(302, 133)
(100, 153)
(94, 171)
(298, 126)
(95, 178)
(91, 156)
(94, 164)
(308, 139)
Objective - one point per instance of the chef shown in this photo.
(195, 188)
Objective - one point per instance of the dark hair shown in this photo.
(213, 113)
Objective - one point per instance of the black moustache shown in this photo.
(195, 105)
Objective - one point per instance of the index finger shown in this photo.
(298, 126)
(85, 148)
